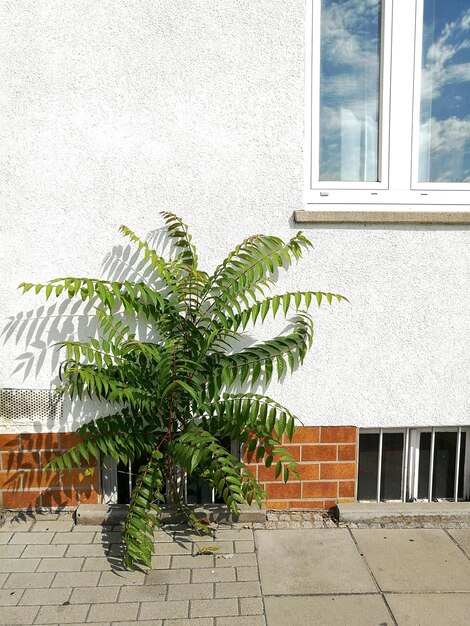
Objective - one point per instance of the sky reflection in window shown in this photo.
(349, 90)
(445, 93)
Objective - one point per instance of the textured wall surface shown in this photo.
(112, 111)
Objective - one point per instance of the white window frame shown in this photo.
(410, 461)
(398, 187)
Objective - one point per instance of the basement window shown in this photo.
(414, 464)
(119, 481)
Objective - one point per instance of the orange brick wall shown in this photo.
(327, 457)
(25, 484)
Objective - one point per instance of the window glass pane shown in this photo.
(463, 440)
(368, 467)
(392, 460)
(444, 138)
(349, 90)
(445, 448)
(424, 460)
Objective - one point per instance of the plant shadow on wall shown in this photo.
(170, 355)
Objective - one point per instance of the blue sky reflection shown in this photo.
(445, 93)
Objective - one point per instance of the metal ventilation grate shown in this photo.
(19, 406)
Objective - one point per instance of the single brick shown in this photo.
(251, 606)
(163, 562)
(113, 612)
(40, 441)
(238, 560)
(55, 498)
(61, 614)
(164, 610)
(69, 440)
(75, 579)
(319, 453)
(120, 578)
(319, 489)
(347, 489)
(244, 546)
(44, 551)
(247, 573)
(10, 598)
(308, 471)
(28, 581)
(284, 490)
(32, 538)
(193, 591)
(293, 451)
(346, 452)
(60, 565)
(337, 470)
(9, 442)
(192, 562)
(12, 479)
(172, 547)
(88, 549)
(63, 526)
(44, 596)
(18, 565)
(306, 504)
(20, 460)
(5, 538)
(219, 575)
(22, 499)
(98, 564)
(218, 547)
(268, 473)
(21, 614)
(163, 577)
(306, 434)
(338, 434)
(237, 590)
(11, 551)
(143, 593)
(278, 504)
(209, 608)
(99, 595)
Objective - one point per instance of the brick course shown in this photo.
(25, 484)
(327, 469)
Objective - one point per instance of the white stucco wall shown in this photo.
(113, 111)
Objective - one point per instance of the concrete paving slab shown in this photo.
(10, 597)
(309, 561)
(20, 615)
(436, 609)
(462, 537)
(419, 560)
(363, 610)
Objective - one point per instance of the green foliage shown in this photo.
(176, 396)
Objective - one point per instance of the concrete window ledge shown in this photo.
(382, 217)
(390, 512)
(111, 514)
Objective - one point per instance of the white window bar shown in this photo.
(404, 468)
(431, 465)
(457, 464)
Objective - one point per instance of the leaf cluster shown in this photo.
(175, 397)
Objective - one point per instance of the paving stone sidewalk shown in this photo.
(54, 572)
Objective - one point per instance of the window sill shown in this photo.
(381, 217)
